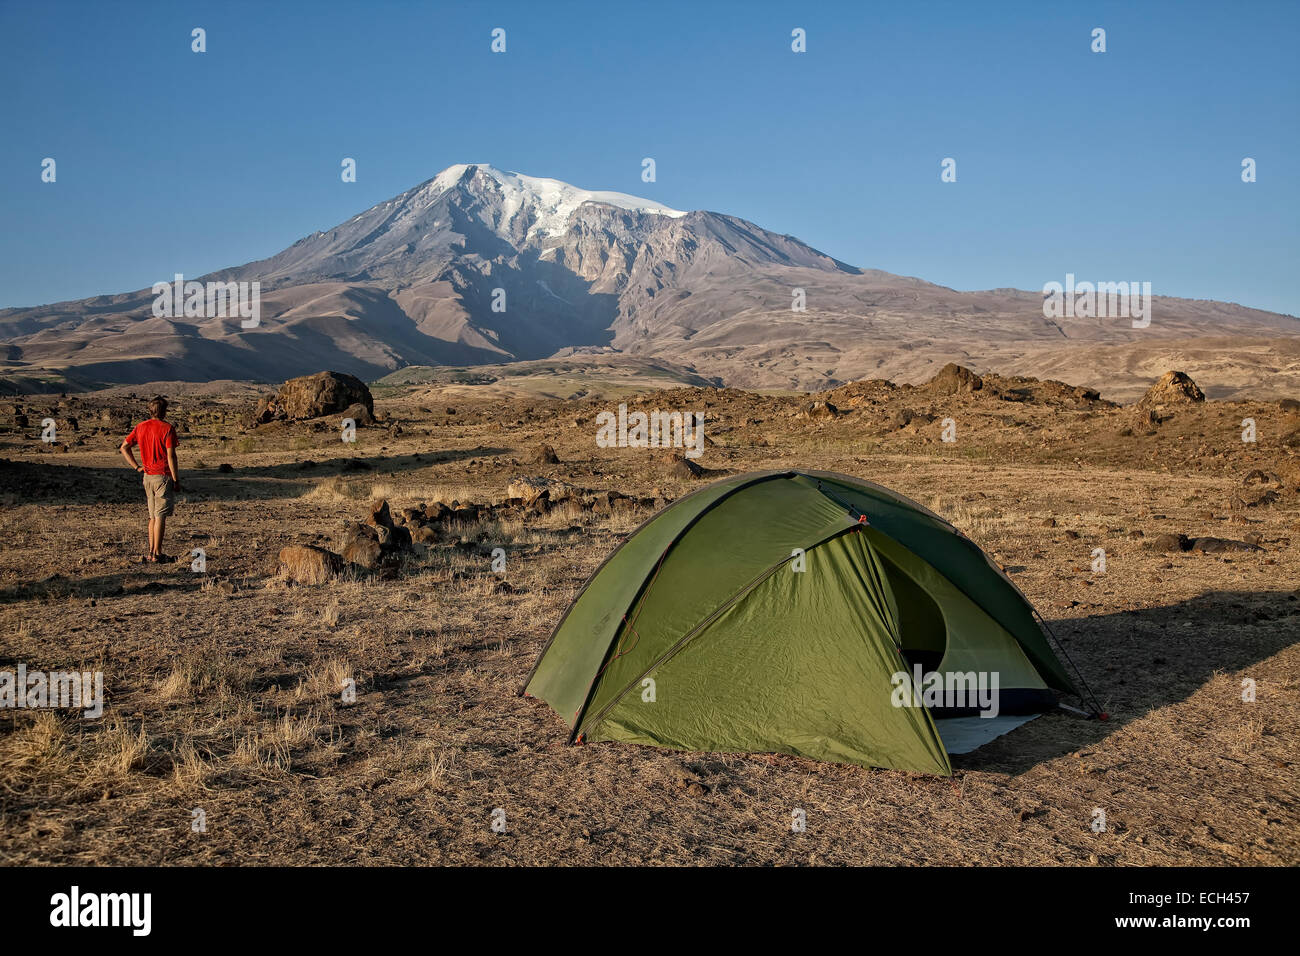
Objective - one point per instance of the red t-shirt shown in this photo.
(154, 438)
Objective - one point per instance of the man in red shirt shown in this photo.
(157, 440)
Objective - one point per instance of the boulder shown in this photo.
(267, 410)
(424, 534)
(380, 516)
(325, 393)
(683, 467)
(365, 553)
(544, 455)
(360, 414)
(1172, 388)
(954, 379)
(355, 531)
(1218, 545)
(308, 564)
(1169, 542)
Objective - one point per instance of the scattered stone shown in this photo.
(529, 489)
(1253, 499)
(906, 416)
(1260, 477)
(544, 455)
(225, 468)
(820, 411)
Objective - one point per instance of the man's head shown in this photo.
(158, 407)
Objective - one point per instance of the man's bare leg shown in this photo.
(153, 536)
(161, 524)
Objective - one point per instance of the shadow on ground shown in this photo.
(1140, 661)
(27, 482)
(146, 579)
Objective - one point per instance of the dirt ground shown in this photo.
(223, 687)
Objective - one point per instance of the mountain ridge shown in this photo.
(478, 265)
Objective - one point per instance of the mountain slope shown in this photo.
(482, 266)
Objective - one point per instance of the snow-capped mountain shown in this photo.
(480, 265)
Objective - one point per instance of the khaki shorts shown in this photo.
(160, 494)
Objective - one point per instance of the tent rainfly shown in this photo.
(805, 613)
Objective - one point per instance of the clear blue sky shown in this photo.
(1117, 166)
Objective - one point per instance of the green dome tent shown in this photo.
(795, 612)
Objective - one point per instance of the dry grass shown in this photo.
(226, 691)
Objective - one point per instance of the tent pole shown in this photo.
(1097, 711)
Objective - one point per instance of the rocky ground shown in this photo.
(377, 565)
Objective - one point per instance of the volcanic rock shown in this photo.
(307, 564)
(1172, 388)
(325, 393)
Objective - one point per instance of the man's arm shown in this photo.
(173, 467)
(128, 453)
